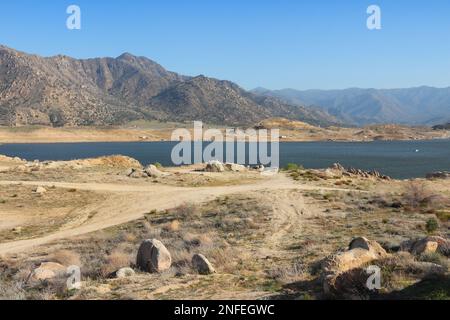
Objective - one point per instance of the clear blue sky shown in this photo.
(275, 44)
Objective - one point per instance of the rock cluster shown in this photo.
(217, 166)
(361, 251)
(154, 257)
(358, 172)
(345, 274)
(438, 175)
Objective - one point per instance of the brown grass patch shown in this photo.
(66, 258)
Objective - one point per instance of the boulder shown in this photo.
(48, 271)
(124, 273)
(153, 172)
(235, 167)
(424, 247)
(362, 251)
(153, 256)
(202, 265)
(214, 166)
(427, 245)
(370, 245)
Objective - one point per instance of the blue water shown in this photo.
(397, 159)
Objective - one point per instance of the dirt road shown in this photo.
(126, 203)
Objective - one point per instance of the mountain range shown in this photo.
(412, 106)
(63, 91)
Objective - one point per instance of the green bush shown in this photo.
(432, 225)
(158, 165)
(293, 167)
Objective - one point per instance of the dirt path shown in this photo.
(126, 203)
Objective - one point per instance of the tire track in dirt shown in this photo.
(126, 203)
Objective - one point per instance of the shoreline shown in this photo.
(90, 141)
(49, 135)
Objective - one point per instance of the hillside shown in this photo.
(62, 91)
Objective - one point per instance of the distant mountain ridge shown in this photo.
(412, 106)
(61, 91)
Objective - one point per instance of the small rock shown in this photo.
(137, 174)
(40, 190)
(124, 273)
(259, 168)
(202, 265)
(17, 230)
(129, 172)
(153, 256)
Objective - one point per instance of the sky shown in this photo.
(321, 44)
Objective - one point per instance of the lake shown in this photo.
(398, 159)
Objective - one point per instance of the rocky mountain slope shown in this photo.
(413, 106)
(62, 91)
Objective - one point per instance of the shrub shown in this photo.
(443, 216)
(158, 165)
(292, 167)
(432, 225)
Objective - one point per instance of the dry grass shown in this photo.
(173, 226)
(289, 273)
(417, 195)
(116, 260)
(235, 234)
(66, 258)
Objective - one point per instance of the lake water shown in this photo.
(398, 159)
